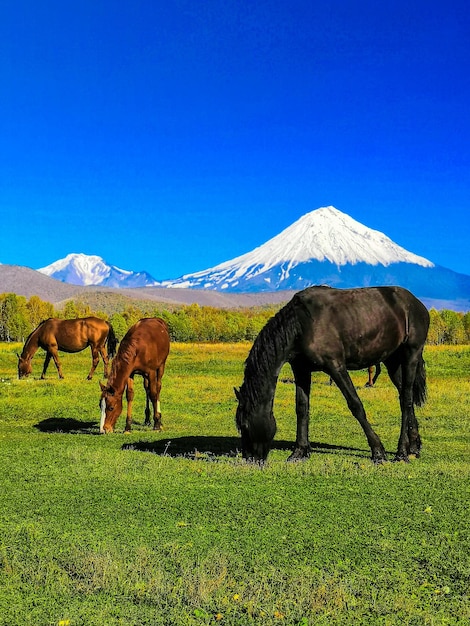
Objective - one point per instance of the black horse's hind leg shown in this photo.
(343, 381)
(403, 378)
(302, 377)
(409, 441)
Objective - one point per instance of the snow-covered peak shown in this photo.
(79, 269)
(327, 234)
(85, 269)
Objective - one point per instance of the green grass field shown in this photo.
(174, 528)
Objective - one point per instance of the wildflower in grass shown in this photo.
(278, 614)
(428, 510)
(218, 617)
(64, 622)
(236, 597)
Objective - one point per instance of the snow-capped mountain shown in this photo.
(83, 269)
(327, 246)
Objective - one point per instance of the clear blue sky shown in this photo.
(171, 136)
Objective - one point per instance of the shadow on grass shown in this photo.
(66, 425)
(207, 447)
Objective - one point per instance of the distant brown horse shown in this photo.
(143, 351)
(371, 376)
(74, 335)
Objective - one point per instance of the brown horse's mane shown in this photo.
(33, 332)
(126, 354)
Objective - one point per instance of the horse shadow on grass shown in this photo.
(67, 425)
(200, 447)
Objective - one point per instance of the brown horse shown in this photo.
(143, 351)
(74, 335)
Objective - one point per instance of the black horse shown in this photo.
(333, 330)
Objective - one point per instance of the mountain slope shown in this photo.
(327, 246)
(83, 269)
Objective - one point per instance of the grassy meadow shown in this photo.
(174, 528)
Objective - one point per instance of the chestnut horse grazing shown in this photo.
(333, 331)
(143, 351)
(74, 335)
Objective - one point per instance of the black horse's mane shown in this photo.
(270, 349)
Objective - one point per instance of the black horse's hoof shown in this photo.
(401, 457)
(299, 454)
(379, 457)
(379, 460)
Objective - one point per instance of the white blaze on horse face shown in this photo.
(103, 414)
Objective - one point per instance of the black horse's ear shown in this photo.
(237, 393)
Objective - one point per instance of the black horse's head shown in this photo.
(257, 427)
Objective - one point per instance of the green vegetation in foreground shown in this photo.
(173, 528)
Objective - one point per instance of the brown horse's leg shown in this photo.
(345, 384)
(52, 352)
(46, 365)
(370, 382)
(155, 386)
(104, 355)
(147, 402)
(378, 369)
(95, 359)
(130, 401)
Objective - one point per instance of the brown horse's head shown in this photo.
(24, 367)
(111, 408)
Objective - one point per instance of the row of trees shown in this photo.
(193, 323)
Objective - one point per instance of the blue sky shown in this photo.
(171, 136)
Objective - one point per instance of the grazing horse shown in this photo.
(143, 351)
(333, 330)
(73, 335)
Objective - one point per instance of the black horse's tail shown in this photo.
(419, 387)
(111, 341)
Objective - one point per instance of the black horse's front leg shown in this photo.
(302, 377)
(345, 384)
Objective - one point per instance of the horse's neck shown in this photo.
(31, 346)
(119, 375)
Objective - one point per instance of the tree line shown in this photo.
(19, 316)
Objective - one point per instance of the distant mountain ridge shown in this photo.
(327, 247)
(324, 246)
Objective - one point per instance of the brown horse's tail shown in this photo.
(111, 341)
(419, 387)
